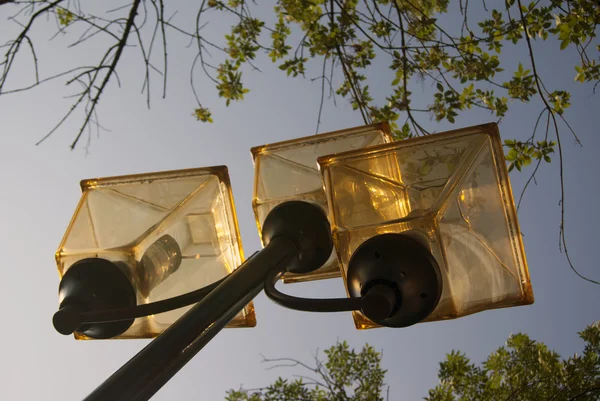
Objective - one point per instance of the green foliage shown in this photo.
(521, 154)
(560, 101)
(203, 114)
(465, 65)
(522, 85)
(65, 17)
(523, 370)
(230, 82)
(347, 45)
(279, 37)
(242, 43)
(345, 375)
(294, 66)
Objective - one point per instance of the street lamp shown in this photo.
(288, 170)
(424, 229)
(444, 202)
(147, 238)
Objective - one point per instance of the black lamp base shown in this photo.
(89, 285)
(405, 269)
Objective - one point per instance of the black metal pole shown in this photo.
(297, 238)
(141, 377)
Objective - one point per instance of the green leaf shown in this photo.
(203, 114)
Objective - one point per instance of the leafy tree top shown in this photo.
(522, 370)
(344, 375)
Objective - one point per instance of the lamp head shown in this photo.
(307, 224)
(94, 284)
(288, 171)
(405, 272)
(156, 236)
(450, 194)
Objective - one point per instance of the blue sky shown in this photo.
(41, 190)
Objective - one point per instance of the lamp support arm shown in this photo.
(297, 238)
(149, 370)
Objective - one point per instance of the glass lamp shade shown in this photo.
(288, 170)
(169, 233)
(449, 191)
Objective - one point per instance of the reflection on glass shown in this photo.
(452, 191)
(288, 170)
(159, 261)
(174, 232)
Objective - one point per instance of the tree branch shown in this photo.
(562, 236)
(349, 78)
(119, 51)
(15, 45)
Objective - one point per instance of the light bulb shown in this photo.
(159, 261)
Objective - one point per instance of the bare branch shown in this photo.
(164, 40)
(405, 72)
(539, 162)
(323, 78)
(15, 45)
(347, 74)
(563, 239)
(119, 50)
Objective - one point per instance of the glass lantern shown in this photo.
(451, 193)
(169, 233)
(288, 170)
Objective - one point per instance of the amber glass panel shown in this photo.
(174, 232)
(288, 170)
(451, 192)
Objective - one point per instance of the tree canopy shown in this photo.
(458, 55)
(522, 370)
(418, 40)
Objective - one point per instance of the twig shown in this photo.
(323, 78)
(164, 40)
(13, 49)
(562, 236)
(405, 72)
(115, 61)
(346, 73)
(539, 162)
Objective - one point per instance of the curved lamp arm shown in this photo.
(378, 303)
(297, 238)
(68, 320)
